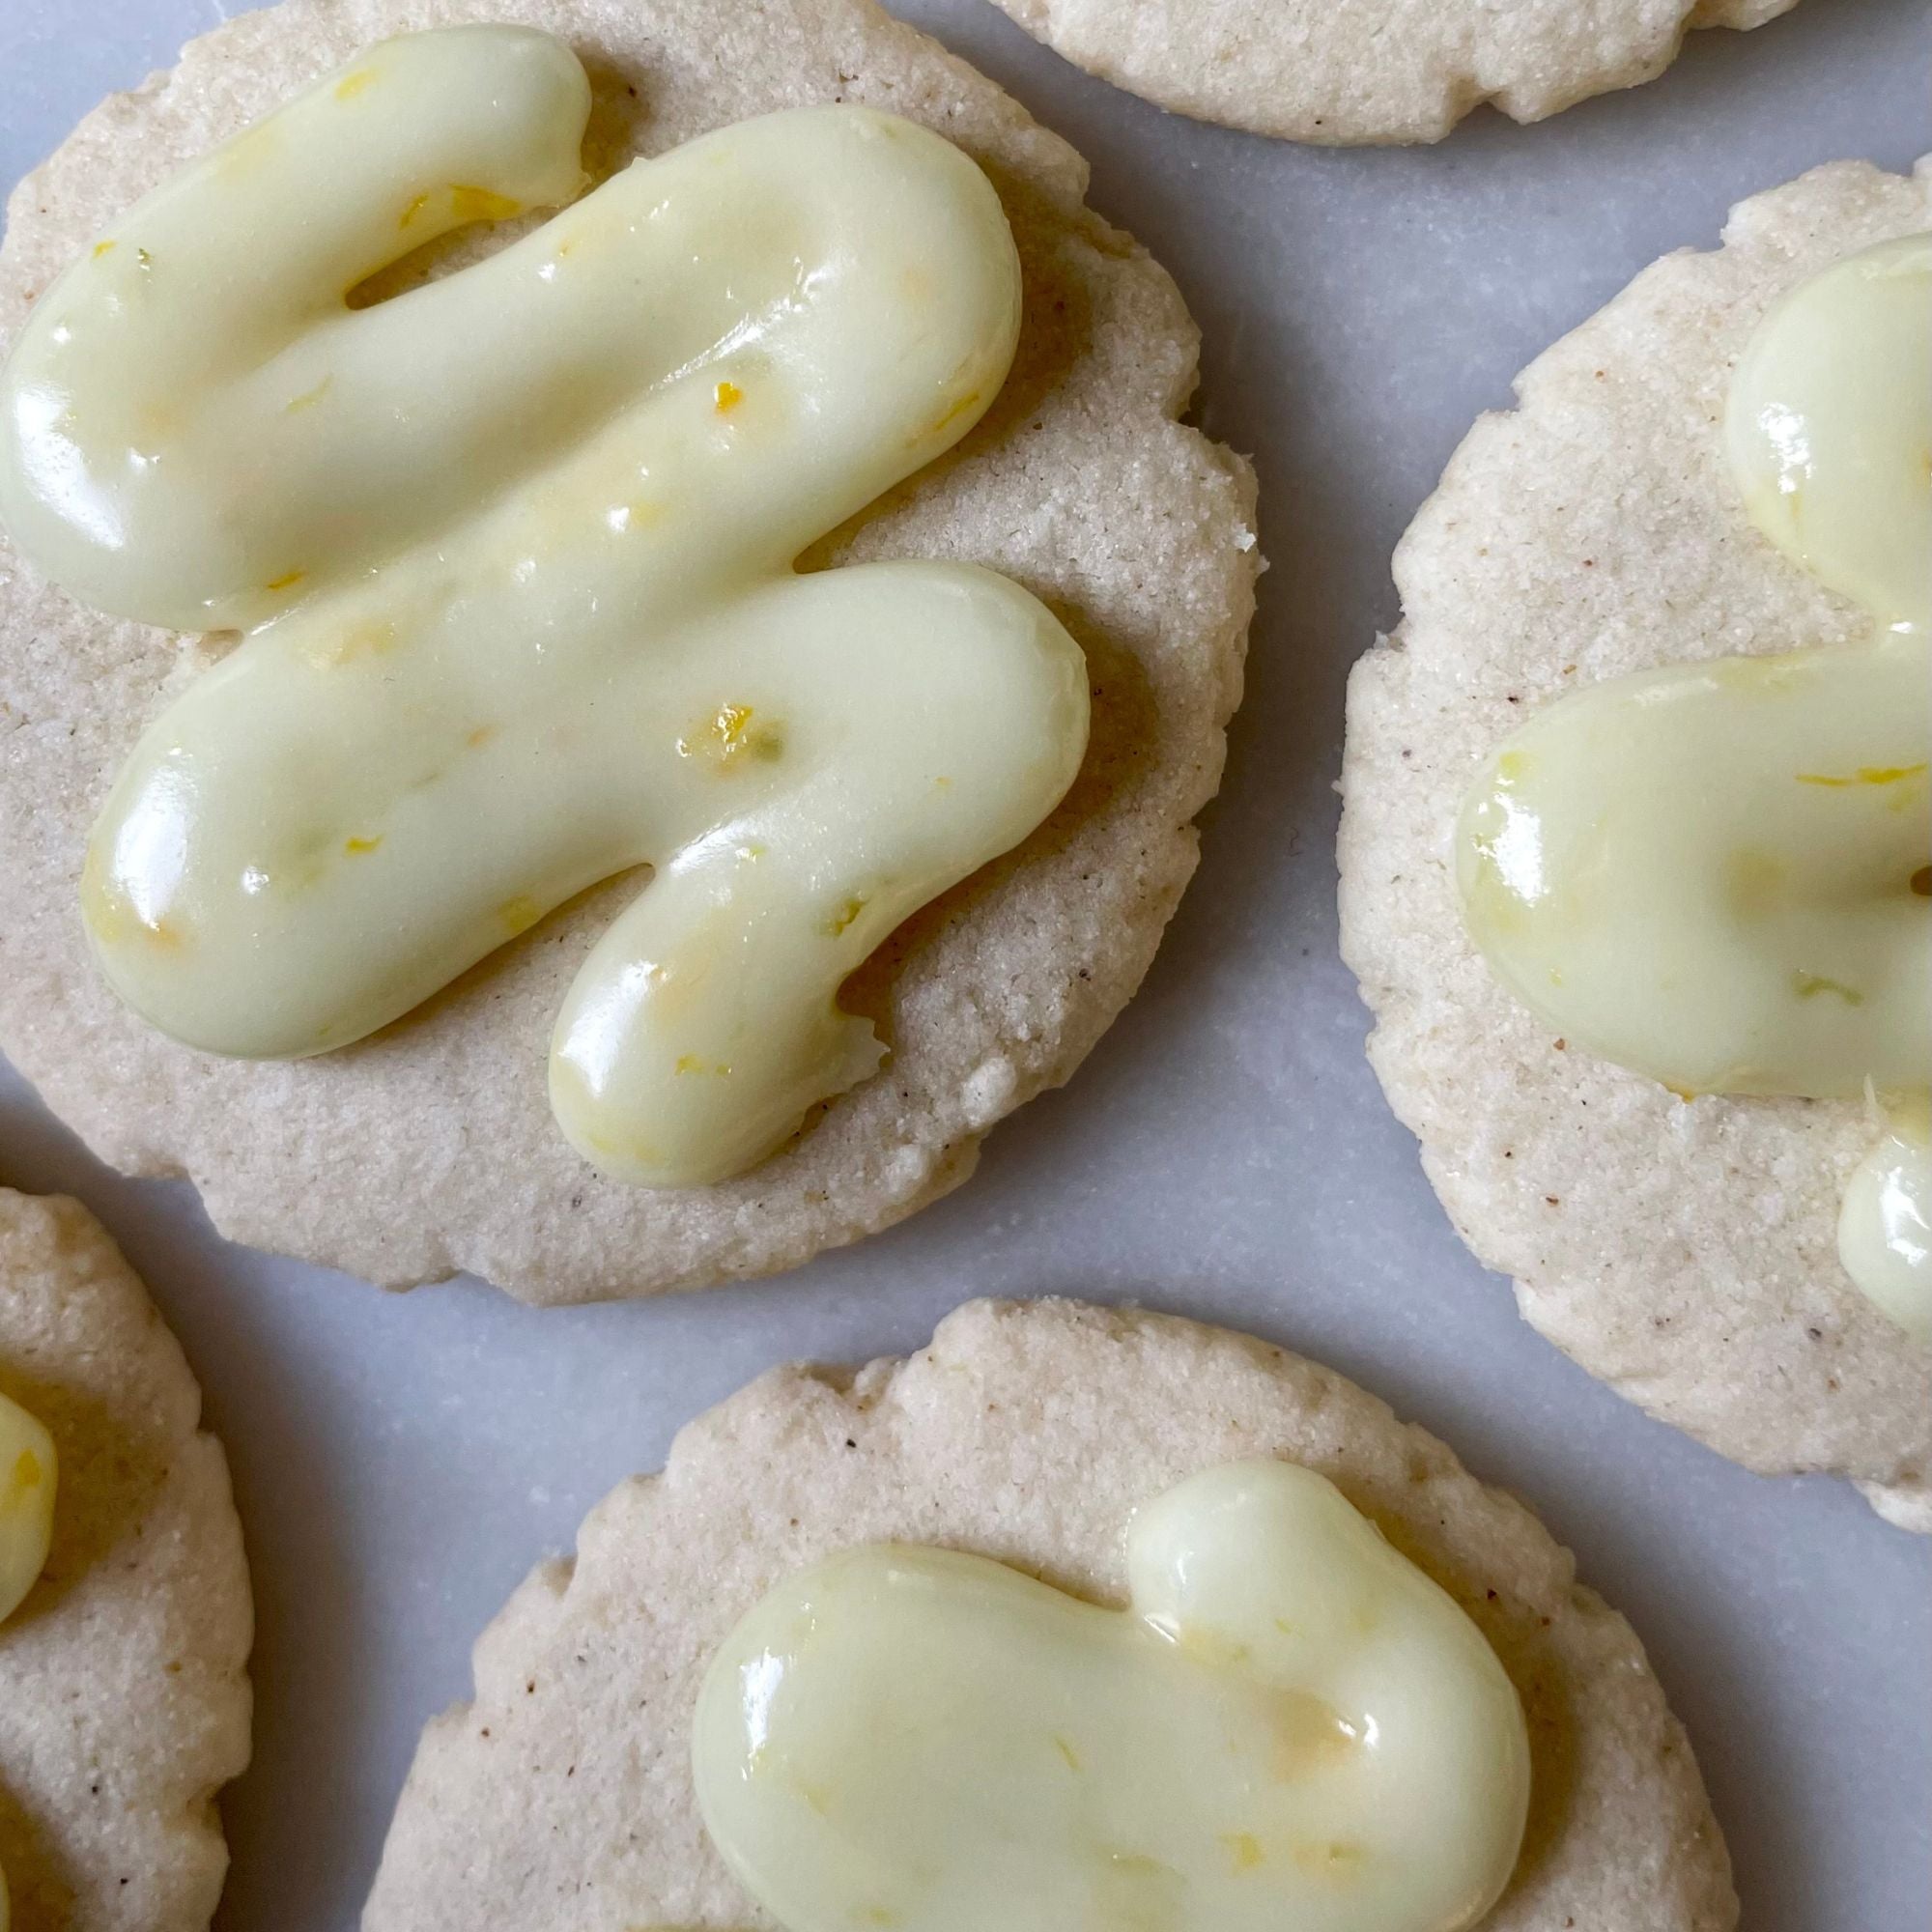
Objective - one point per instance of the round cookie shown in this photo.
(1351, 72)
(1685, 1252)
(1027, 1433)
(124, 1693)
(430, 1149)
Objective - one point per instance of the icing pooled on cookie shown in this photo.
(29, 1472)
(1717, 873)
(1704, 872)
(1829, 425)
(517, 548)
(1884, 1225)
(1290, 1724)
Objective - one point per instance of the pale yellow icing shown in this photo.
(1829, 428)
(1705, 872)
(1718, 873)
(29, 1475)
(517, 551)
(1290, 1725)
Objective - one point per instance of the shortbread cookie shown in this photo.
(1685, 1250)
(123, 1698)
(1026, 1433)
(430, 1148)
(1364, 70)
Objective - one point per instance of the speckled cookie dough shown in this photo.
(1685, 1251)
(1351, 72)
(124, 1695)
(430, 1148)
(1027, 1433)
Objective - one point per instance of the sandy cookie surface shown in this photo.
(1373, 71)
(1027, 1433)
(123, 1698)
(1687, 1253)
(430, 1149)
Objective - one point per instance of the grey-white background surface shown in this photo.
(400, 1461)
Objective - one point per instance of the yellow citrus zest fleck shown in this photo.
(287, 578)
(481, 204)
(726, 397)
(1244, 1848)
(367, 639)
(844, 916)
(354, 82)
(167, 933)
(102, 248)
(358, 845)
(947, 416)
(1865, 775)
(467, 204)
(727, 735)
(1809, 985)
(25, 1479)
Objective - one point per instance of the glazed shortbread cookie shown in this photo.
(1683, 1249)
(124, 1699)
(1029, 1433)
(1363, 70)
(430, 1146)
